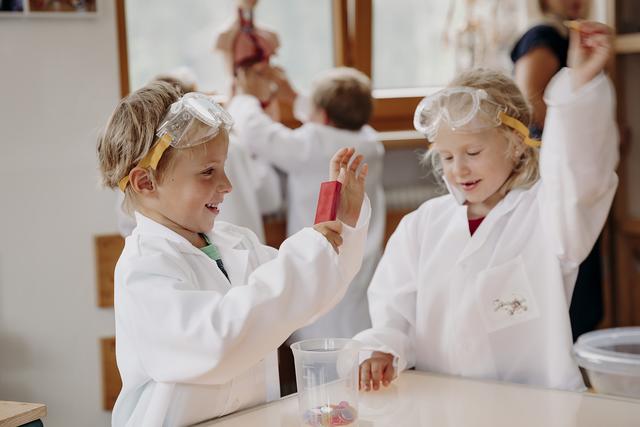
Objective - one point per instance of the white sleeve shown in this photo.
(267, 184)
(184, 334)
(285, 148)
(392, 296)
(577, 163)
(302, 108)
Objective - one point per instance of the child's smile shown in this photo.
(188, 198)
(469, 185)
(213, 207)
(476, 163)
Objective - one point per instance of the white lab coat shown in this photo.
(304, 154)
(256, 191)
(440, 299)
(191, 346)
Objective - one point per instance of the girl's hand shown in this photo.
(375, 370)
(331, 231)
(352, 180)
(590, 47)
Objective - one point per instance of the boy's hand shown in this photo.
(255, 80)
(375, 370)
(352, 180)
(331, 231)
(286, 92)
(590, 47)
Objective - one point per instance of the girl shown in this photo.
(200, 311)
(478, 283)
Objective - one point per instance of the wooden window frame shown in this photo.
(352, 41)
(353, 47)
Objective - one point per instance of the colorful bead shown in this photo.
(341, 414)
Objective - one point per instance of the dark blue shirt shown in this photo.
(542, 36)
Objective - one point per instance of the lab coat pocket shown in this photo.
(505, 296)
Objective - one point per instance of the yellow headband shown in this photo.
(519, 127)
(151, 159)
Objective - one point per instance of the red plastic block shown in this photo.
(328, 201)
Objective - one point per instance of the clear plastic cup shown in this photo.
(327, 379)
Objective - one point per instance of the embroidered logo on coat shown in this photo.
(515, 306)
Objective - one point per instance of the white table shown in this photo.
(421, 399)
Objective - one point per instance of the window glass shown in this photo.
(167, 35)
(419, 43)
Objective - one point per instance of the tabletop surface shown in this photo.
(19, 413)
(422, 399)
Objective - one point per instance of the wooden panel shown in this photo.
(393, 219)
(13, 414)
(340, 34)
(394, 113)
(275, 231)
(111, 381)
(403, 140)
(108, 250)
(361, 36)
(627, 278)
(628, 43)
(123, 54)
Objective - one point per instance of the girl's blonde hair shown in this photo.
(502, 90)
(130, 133)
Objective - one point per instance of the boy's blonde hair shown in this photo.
(130, 133)
(502, 90)
(345, 95)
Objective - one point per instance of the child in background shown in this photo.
(256, 184)
(478, 283)
(341, 107)
(200, 310)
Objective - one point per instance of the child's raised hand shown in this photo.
(344, 168)
(376, 370)
(590, 47)
(331, 231)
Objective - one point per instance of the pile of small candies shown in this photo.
(341, 414)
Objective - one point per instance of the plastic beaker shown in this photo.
(327, 379)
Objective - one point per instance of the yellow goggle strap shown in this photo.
(519, 127)
(151, 159)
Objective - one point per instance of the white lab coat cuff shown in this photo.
(363, 219)
(386, 340)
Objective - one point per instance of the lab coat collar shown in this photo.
(506, 205)
(235, 259)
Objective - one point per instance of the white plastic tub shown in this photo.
(611, 358)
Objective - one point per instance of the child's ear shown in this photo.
(319, 115)
(141, 180)
(325, 118)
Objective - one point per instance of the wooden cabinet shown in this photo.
(624, 227)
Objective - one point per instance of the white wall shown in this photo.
(58, 83)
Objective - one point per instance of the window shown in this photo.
(418, 43)
(168, 34)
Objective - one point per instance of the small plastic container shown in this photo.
(327, 379)
(611, 358)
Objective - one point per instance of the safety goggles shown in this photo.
(465, 110)
(192, 120)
